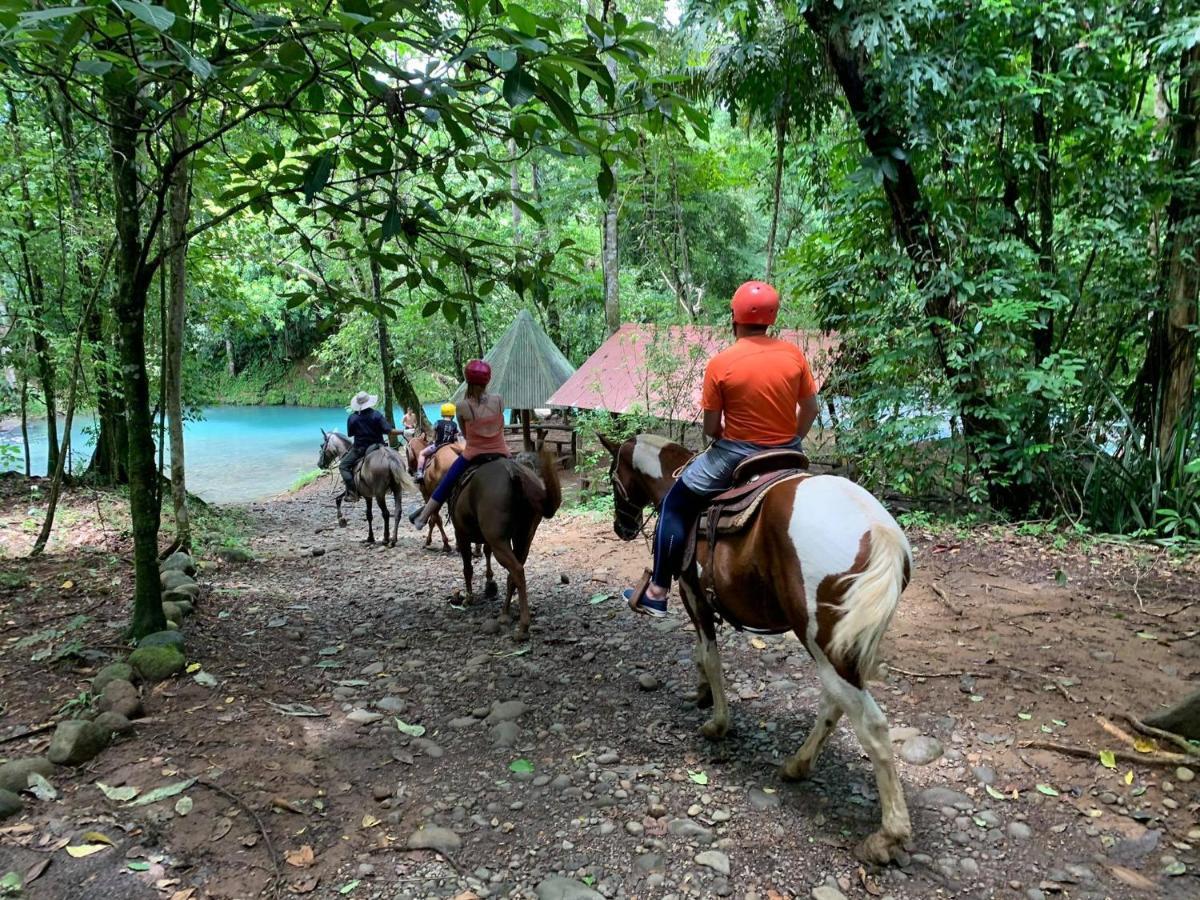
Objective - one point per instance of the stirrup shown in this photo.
(640, 603)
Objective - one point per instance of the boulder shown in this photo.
(10, 804)
(113, 722)
(180, 596)
(118, 671)
(178, 562)
(559, 888)
(235, 555)
(171, 637)
(122, 698)
(155, 664)
(176, 580)
(433, 837)
(76, 742)
(14, 774)
(174, 611)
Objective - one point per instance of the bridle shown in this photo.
(628, 512)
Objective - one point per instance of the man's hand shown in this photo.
(712, 424)
(809, 408)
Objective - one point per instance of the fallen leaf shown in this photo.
(302, 858)
(137, 865)
(1059, 722)
(122, 794)
(349, 886)
(1025, 716)
(96, 837)
(34, 872)
(282, 803)
(1129, 777)
(522, 766)
(1047, 790)
(758, 643)
(1147, 636)
(975, 698)
(869, 884)
(249, 840)
(162, 793)
(67, 585)
(411, 730)
(183, 806)
(698, 777)
(185, 894)
(993, 793)
(193, 667)
(369, 821)
(221, 828)
(10, 884)
(597, 599)
(1107, 759)
(291, 709)
(1135, 880)
(205, 679)
(40, 787)
(1141, 745)
(81, 850)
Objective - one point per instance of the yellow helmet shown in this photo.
(448, 409)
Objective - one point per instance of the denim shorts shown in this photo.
(712, 471)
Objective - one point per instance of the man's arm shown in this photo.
(713, 427)
(807, 414)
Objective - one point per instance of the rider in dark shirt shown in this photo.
(367, 427)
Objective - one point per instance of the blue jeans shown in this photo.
(707, 475)
(442, 492)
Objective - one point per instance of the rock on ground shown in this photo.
(173, 581)
(155, 664)
(433, 837)
(921, 750)
(713, 859)
(113, 722)
(557, 888)
(178, 562)
(118, 671)
(10, 804)
(14, 774)
(122, 698)
(169, 638)
(76, 742)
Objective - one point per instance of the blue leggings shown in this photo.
(680, 508)
(442, 492)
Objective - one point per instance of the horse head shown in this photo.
(630, 497)
(327, 454)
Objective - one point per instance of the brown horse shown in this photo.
(822, 558)
(435, 468)
(501, 507)
(379, 473)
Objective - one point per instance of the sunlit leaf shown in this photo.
(1107, 759)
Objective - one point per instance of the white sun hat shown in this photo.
(362, 400)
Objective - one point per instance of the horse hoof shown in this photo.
(343, 523)
(796, 771)
(704, 697)
(714, 730)
(369, 541)
(522, 634)
(879, 849)
(490, 591)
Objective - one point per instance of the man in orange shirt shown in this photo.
(758, 394)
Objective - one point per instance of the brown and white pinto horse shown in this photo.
(435, 468)
(822, 558)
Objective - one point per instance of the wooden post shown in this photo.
(527, 441)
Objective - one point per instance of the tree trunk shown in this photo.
(1168, 378)
(610, 262)
(179, 202)
(230, 368)
(514, 186)
(25, 421)
(541, 290)
(1043, 337)
(777, 190)
(1183, 718)
(385, 347)
(35, 289)
(526, 440)
(129, 306)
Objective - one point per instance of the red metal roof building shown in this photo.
(658, 369)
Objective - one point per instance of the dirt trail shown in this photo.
(574, 763)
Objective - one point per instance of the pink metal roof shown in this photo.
(658, 369)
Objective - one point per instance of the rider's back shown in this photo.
(757, 383)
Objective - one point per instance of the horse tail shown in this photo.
(549, 471)
(398, 469)
(871, 599)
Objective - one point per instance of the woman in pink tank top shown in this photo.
(481, 416)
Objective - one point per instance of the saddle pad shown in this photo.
(736, 509)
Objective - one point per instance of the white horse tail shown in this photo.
(871, 598)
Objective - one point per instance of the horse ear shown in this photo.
(609, 444)
(323, 434)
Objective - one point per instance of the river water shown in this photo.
(234, 453)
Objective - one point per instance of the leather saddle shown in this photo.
(734, 510)
(469, 473)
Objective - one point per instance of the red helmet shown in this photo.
(478, 372)
(755, 303)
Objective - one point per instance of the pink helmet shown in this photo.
(478, 372)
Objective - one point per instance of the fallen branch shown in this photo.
(1168, 615)
(900, 671)
(41, 729)
(941, 595)
(1119, 733)
(278, 878)
(1045, 679)
(1146, 759)
(1177, 739)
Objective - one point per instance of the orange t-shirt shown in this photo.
(757, 384)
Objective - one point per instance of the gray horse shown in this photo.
(379, 473)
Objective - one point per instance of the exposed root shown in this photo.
(1143, 759)
(1177, 739)
(277, 878)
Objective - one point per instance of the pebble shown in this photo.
(635, 828)
(363, 717)
(506, 711)
(761, 800)
(463, 722)
(688, 828)
(607, 759)
(505, 734)
(393, 705)
(985, 774)
(558, 888)
(713, 859)
(647, 682)
(1183, 773)
(1019, 831)
(826, 892)
(650, 862)
(10, 804)
(937, 797)
(921, 750)
(434, 837)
